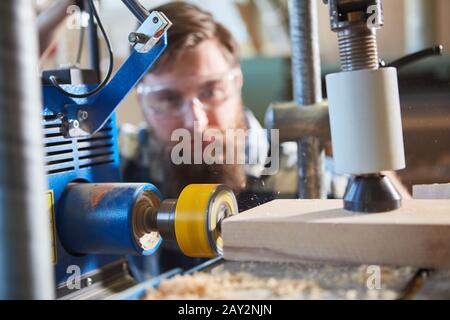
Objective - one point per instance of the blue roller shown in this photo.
(101, 218)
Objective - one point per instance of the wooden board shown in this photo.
(417, 235)
(432, 191)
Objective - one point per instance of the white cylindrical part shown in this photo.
(365, 119)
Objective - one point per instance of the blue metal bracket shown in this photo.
(84, 117)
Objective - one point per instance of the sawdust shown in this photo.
(237, 286)
(243, 281)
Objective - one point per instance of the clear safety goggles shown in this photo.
(174, 98)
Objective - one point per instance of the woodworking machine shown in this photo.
(362, 116)
(364, 105)
(96, 220)
(99, 219)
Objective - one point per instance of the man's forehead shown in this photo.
(204, 60)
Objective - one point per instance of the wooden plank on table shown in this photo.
(432, 191)
(436, 284)
(416, 235)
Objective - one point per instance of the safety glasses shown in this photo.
(174, 98)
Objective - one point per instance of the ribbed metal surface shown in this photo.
(64, 155)
(26, 270)
(306, 73)
(358, 49)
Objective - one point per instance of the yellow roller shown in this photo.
(198, 215)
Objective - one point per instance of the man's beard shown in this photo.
(177, 177)
(180, 176)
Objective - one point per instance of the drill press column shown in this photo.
(364, 107)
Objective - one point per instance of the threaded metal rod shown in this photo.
(306, 73)
(358, 49)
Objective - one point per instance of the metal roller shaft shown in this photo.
(26, 270)
(164, 222)
(306, 73)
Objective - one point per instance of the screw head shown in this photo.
(132, 37)
(74, 124)
(83, 115)
(135, 38)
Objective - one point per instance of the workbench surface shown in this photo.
(339, 281)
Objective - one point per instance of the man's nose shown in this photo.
(196, 114)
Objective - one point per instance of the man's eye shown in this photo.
(207, 93)
(168, 98)
(212, 92)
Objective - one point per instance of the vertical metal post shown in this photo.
(26, 270)
(306, 72)
(421, 25)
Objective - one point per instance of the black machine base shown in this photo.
(372, 194)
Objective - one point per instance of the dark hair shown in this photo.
(192, 26)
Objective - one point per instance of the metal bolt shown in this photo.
(74, 124)
(132, 38)
(83, 115)
(155, 20)
(135, 38)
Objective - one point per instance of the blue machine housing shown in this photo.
(102, 218)
(93, 159)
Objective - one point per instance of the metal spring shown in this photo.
(358, 49)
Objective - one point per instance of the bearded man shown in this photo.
(194, 90)
(195, 87)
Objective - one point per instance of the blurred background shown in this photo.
(261, 27)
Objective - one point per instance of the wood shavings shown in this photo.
(237, 286)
